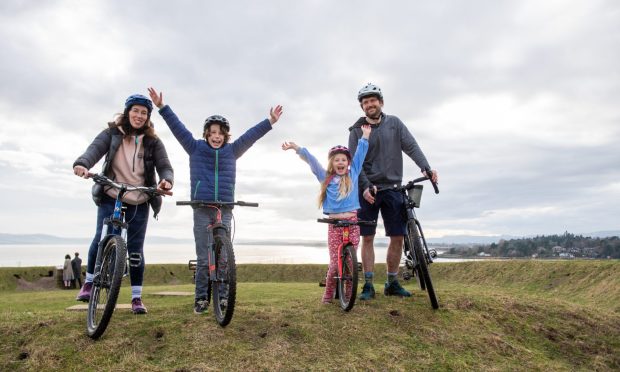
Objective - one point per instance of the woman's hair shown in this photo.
(223, 128)
(122, 121)
(345, 182)
(67, 256)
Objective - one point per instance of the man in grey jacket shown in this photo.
(383, 167)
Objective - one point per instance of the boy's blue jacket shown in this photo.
(212, 171)
(331, 204)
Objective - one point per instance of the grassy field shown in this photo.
(494, 316)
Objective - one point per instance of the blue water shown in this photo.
(53, 255)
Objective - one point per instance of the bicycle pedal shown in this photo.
(432, 253)
(135, 259)
(406, 275)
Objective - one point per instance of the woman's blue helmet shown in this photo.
(139, 99)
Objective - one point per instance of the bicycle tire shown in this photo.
(347, 283)
(423, 266)
(224, 288)
(409, 250)
(107, 287)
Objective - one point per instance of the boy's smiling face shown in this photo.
(215, 136)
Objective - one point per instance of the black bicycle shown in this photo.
(346, 276)
(112, 262)
(222, 284)
(417, 256)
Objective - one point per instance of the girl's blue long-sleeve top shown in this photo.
(212, 171)
(350, 202)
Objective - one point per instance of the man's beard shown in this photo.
(375, 116)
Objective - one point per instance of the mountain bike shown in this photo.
(417, 256)
(112, 263)
(346, 289)
(222, 284)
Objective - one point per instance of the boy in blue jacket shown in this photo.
(212, 164)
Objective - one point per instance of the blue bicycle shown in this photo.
(112, 261)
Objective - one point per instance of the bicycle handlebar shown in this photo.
(205, 203)
(341, 223)
(408, 186)
(103, 180)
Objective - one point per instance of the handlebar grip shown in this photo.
(165, 192)
(247, 204)
(429, 175)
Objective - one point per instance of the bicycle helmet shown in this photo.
(369, 90)
(340, 150)
(217, 119)
(139, 99)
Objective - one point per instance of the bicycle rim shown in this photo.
(423, 270)
(347, 283)
(107, 287)
(225, 284)
(415, 258)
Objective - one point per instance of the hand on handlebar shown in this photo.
(433, 177)
(164, 185)
(80, 171)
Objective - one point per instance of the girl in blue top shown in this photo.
(338, 196)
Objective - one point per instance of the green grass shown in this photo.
(509, 319)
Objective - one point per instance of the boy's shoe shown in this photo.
(368, 292)
(201, 306)
(395, 289)
(137, 306)
(85, 291)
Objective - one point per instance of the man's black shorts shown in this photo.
(391, 205)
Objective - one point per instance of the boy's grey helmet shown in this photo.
(369, 90)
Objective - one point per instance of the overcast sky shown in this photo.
(515, 103)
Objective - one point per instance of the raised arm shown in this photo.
(178, 129)
(306, 156)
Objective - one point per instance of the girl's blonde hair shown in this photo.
(345, 182)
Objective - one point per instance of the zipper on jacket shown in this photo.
(217, 154)
(196, 189)
(133, 165)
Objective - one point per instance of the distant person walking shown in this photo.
(67, 272)
(76, 265)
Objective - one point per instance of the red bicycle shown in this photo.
(346, 289)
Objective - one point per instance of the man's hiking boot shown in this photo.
(368, 292)
(85, 291)
(395, 289)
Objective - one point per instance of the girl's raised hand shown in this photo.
(158, 99)
(274, 114)
(290, 145)
(366, 131)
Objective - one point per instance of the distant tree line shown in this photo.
(566, 246)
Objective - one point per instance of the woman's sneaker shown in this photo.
(85, 291)
(201, 306)
(368, 292)
(137, 306)
(395, 289)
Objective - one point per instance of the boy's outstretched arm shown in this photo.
(274, 114)
(180, 132)
(158, 99)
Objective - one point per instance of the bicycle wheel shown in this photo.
(411, 257)
(106, 286)
(422, 266)
(225, 284)
(347, 283)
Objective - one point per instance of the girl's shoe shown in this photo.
(137, 306)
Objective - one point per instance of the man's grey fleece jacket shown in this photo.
(383, 165)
